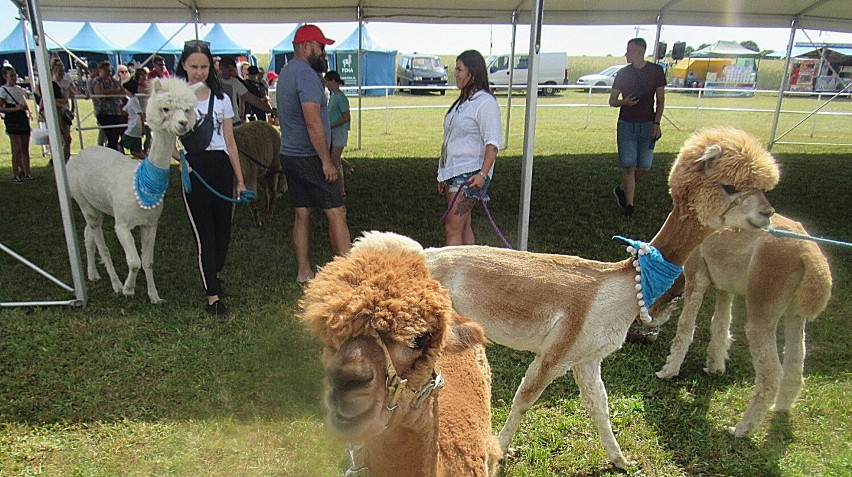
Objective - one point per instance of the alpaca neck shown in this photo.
(679, 236)
(162, 146)
(406, 449)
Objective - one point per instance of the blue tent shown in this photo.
(13, 49)
(379, 63)
(281, 53)
(152, 41)
(91, 46)
(222, 44)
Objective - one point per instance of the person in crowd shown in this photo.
(63, 105)
(94, 72)
(237, 91)
(472, 137)
(108, 107)
(271, 78)
(217, 161)
(635, 90)
(159, 70)
(16, 118)
(122, 74)
(305, 147)
(339, 119)
(244, 66)
(131, 139)
(255, 85)
(143, 91)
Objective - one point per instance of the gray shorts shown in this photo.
(339, 137)
(306, 183)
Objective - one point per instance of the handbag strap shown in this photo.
(9, 95)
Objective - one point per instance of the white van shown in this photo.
(552, 70)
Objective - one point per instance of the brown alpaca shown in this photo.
(260, 141)
(573, 312)
(780, 278)
(380, 315)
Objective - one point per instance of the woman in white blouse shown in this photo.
(472, 137)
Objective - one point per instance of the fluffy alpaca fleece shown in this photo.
(573, 312)
(101, 182)
(387, 292)
(780, 278)
(261, 141)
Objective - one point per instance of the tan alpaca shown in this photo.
(573, 312)
(780, 278)
(260, 141)
(381, 296)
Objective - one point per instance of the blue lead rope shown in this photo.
(788, 234)
(246, 196)
(657, 274)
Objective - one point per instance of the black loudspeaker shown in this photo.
(661, 50)
(678, 49)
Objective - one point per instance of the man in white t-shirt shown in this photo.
(131, 139)
(233, 86)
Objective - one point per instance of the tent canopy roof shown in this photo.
(151, 40)
(14, 41)
(221, 42)
(832, 15)
(88, 39)
(369, 43)
(286, 45)
(725, 49)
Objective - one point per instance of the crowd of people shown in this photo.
(314, 119)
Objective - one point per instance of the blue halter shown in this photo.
(150, 184)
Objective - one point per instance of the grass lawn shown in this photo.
(127, 388)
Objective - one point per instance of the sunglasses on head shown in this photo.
(197, 44)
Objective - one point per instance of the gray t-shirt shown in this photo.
(297, 84)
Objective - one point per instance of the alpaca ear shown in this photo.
(711, 154)
(156, 86)
(464, 334)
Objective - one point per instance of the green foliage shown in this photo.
(750, 45)
(127, 388)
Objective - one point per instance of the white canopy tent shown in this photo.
(833, 15)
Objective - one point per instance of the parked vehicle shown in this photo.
(421, 70)
(552, 70)
(604, 78)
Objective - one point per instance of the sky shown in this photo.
(452, 39)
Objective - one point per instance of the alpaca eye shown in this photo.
(420, 341)
(165, 110)
(729, 189)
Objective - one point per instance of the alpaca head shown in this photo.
(720, 176)
(171, 107)
(363, 304)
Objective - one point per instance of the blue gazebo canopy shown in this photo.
(369, 43)
(88, 39)
(153, 41)
(222, 44)
(14, 41)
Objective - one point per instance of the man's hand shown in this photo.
(656, 132)
(630, 100)
(329, 171)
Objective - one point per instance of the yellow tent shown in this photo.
(700, 67)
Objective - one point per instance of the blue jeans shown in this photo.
(635, 145)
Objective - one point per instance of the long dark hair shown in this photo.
(198, 46)
(475, 64)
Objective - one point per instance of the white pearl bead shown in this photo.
(638, 278)
(638, 287)
(644, 311)
(631, 250)
(641, 302)
(639, 296)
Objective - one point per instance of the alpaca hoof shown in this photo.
(157, 301)
(714, 370)
(623, 463)
(128, 292)
(117, 287)
(512, 452)
(665, 374)
(94, 276)
(738, 431)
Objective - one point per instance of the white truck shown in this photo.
(552, 70)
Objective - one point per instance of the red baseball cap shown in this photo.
(307, 33)
(271, 76)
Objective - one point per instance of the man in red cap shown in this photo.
(305, 147)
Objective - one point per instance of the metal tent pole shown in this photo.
(784, 78)
(28, 55)
(529, 125)
(511, 78)
(360, 13)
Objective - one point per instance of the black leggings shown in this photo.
(210, 216)
(112, 134)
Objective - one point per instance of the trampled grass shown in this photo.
(127, 388)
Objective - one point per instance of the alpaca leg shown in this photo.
(255, 214)
(89, 237)
(97, 234)
(720, 334)
(794, 362)
(588, 378)
(694, 294)
(760, 330)
(538, 376)
(148, 237)
(132, 257)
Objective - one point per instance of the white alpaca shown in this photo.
(573, 312)
(780, 278)
(103, 181)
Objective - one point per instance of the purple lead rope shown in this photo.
(487, 213)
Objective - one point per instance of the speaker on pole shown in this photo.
(678, 50)
(661, 50)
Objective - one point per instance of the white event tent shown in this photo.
(831, 15)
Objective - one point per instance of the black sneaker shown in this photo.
(620, 197)
(627, 211)
(217, 309)
(17, 180)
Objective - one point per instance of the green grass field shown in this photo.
(126, 388)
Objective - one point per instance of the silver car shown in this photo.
(604, 78)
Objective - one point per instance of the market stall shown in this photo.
(738, 77)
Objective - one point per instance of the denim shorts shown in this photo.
(339, 137)
(635, 145)
(454, 183)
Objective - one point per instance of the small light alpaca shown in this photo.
(383, 319)
(104, 181)
(258, 143)
(780, 278)
(573, 312)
